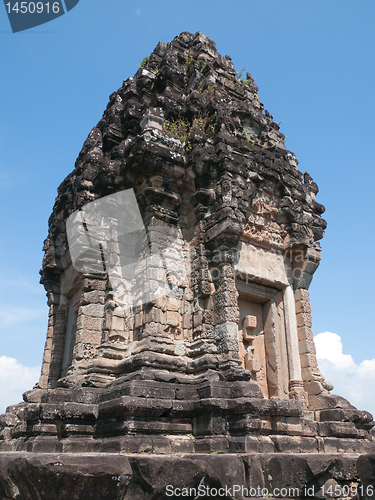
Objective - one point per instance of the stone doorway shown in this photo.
(251, 341)
(261, 337)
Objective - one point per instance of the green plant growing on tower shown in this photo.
(178, 129)
(144, 62)
(188, 61)
(241, 75)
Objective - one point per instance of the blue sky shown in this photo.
(314, 65)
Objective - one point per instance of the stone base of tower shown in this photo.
(115, 476)
(151, 429)
(154, 411)
(150, 434)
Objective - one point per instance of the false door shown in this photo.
(251, 342)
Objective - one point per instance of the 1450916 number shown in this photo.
(33, 8)
(348, 491)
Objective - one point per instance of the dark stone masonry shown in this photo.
(179, 356)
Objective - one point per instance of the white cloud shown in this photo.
(138, 12)
(329, 347)
(355, 382)
(15, 379)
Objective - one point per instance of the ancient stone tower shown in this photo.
(177, 267)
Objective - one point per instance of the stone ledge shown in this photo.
(205, 435)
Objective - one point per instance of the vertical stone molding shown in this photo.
(294, 361)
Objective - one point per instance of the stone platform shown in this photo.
(202, 414)
(118, 476)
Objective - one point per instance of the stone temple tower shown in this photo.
(177, 266)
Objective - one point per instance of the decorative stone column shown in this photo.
(296, 389)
